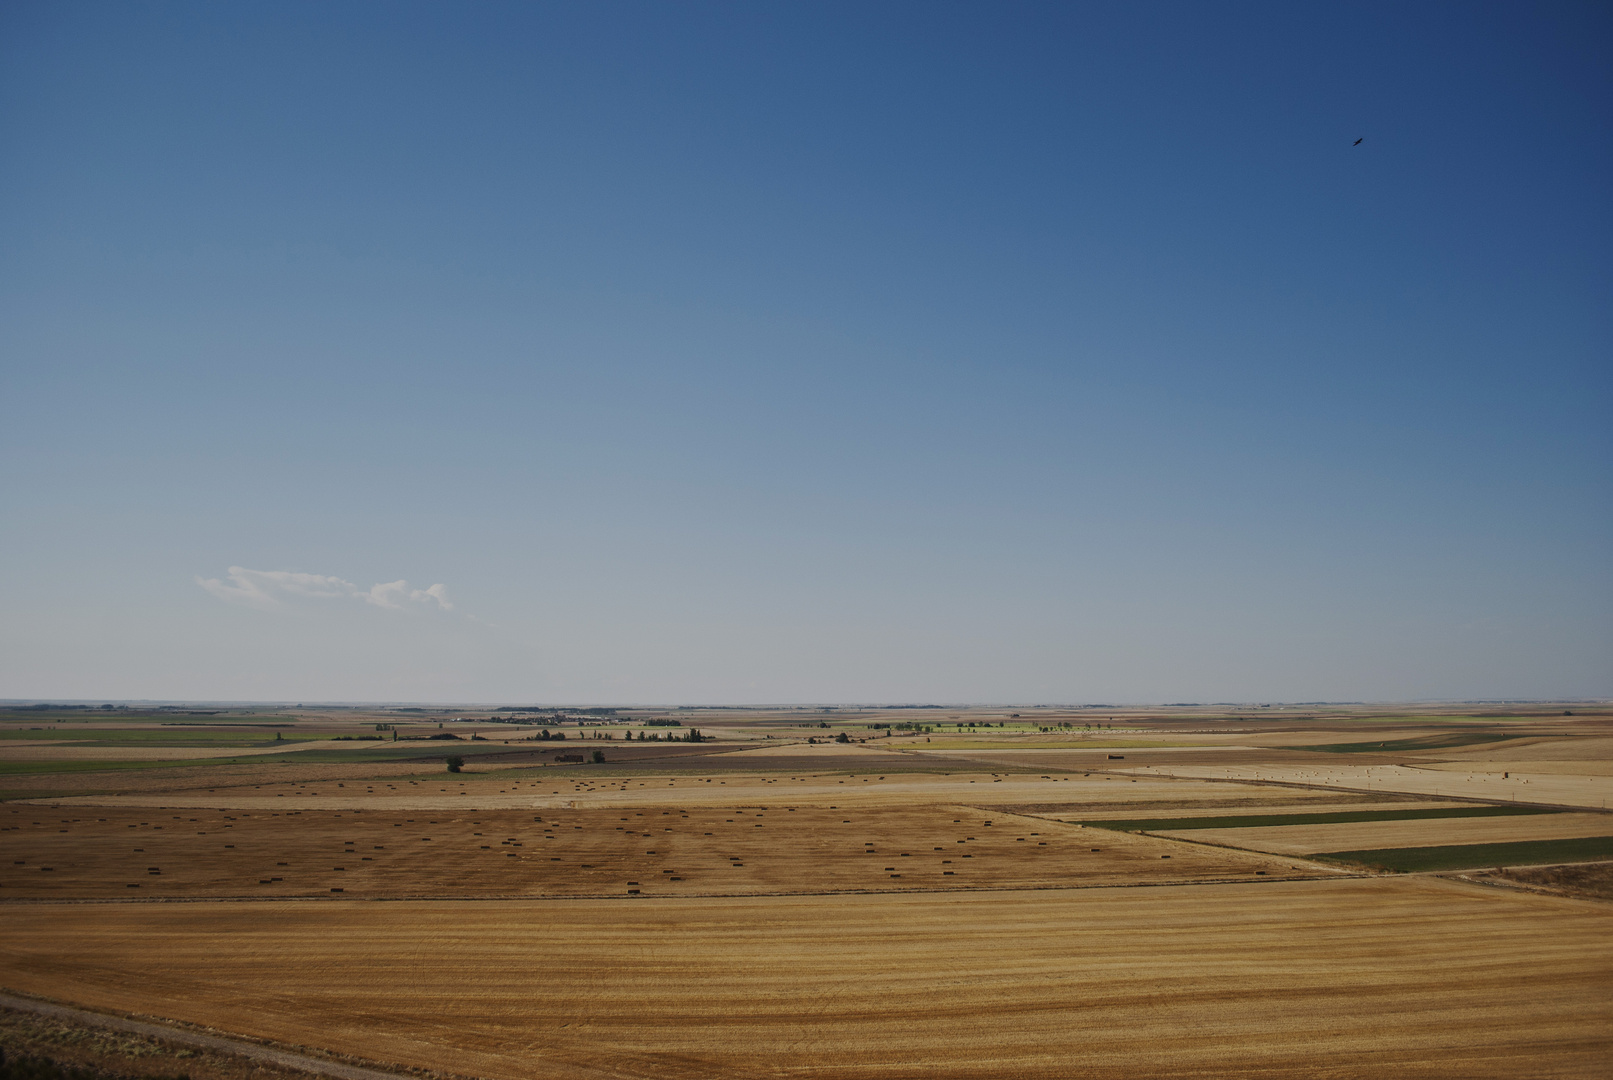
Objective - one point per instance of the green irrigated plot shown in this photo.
(1470, 856)
(1422, 742)
(1339, 817)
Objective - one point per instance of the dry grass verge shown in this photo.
(117, 1055)
(1592, 881)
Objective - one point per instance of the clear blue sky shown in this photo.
(805, 352)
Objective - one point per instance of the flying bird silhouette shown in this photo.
(1358, 141)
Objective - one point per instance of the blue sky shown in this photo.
(805, 353)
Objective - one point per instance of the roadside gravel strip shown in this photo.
(282, 1058)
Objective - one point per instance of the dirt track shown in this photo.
(283, 1058)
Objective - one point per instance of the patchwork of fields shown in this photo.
(916, 905)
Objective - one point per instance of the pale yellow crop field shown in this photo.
(1593, 751)
(557, 789)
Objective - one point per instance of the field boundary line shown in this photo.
(1334, 873)
(241, 1047)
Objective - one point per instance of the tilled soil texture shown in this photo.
(1343, 978)
(142, 853)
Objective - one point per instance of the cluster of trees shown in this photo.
(842, 737)
(692, 735)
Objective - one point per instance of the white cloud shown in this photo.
(389, 594)
(263, 589)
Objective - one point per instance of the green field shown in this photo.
(1424, 742)
(1339, 817)
(1470, 856)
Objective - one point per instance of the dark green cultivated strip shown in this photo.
(1422, 742)
(1261, 821)
(1468, 856)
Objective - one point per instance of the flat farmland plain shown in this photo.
(1353, 977)
(902, 904)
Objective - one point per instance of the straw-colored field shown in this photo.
(1348, 978)
(1593, 791)
(764, 848)
(556, 789)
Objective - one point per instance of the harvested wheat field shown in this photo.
(581, 787)
(678, 850)
(1401, 977)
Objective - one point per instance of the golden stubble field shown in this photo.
(633, 849)
(1354, 977)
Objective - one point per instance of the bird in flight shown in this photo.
(1358, 141)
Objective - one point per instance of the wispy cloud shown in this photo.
(266, 588)
(389, 594)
